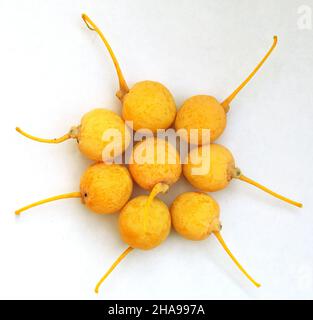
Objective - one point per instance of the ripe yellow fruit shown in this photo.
(205, 112)
(148, 104)
(106, 188)
(144, 223)
(153, 161)
(94, 124)
(97, 130)
(216, 167)
(201, 112)
(195, 215)
(141, 234)
(210, 168)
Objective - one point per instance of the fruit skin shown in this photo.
(216, 176)
(105, 188)
(149, 105)
(195, 215)
(132, 223)
(90, 132)
(148, 174)
(202, 112)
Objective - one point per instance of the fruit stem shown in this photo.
(276, 195)
(56, 140)
(222, 242)
(122, 83)
(62, 196)
(114, 265)
(158, 188)
(228, 100)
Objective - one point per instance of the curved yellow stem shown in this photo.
(228, 100)
(276, 195)
(62, 196)
(222, 242)
(118, 260)
(122, 83)
(158, 188)
(56, 140)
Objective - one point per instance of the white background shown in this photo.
(53, 70)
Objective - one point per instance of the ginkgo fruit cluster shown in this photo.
(145, 221)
